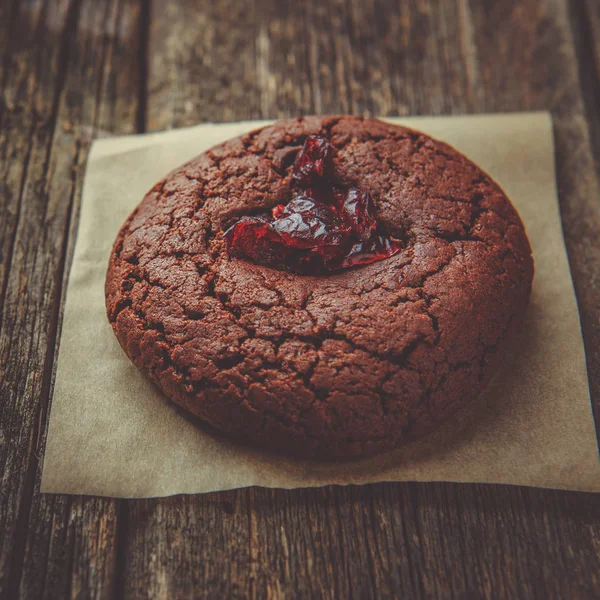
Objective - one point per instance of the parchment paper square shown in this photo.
(112, 433)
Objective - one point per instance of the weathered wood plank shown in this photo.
(8, 211)
(72, 68)
(199, 79)
(18, 418)
(223, 61)
(592, 12)
(585, 20)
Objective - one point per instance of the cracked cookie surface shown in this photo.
(336, 366)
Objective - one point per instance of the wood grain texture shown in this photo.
(585, 20)
(222, 61)
(70, 69)
(60, 86)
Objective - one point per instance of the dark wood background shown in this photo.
(71, 70)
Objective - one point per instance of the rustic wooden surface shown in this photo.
(74, 69)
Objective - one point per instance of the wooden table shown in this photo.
(71, 70)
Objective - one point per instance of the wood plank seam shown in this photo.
(122, 533)
(585, 26)
(98, 96)
(145, 21)
(120, 583)
(10, 28)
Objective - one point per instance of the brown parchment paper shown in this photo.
(112, 433)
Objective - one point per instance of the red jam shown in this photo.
(323, 228)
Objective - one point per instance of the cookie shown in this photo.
(340, 365)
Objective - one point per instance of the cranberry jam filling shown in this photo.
(324, 228)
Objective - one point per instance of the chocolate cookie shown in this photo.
(336, 365)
